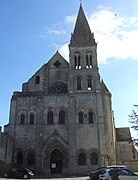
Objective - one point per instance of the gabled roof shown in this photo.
(82, 35)
(57, 61)
(123, 134)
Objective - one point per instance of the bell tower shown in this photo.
(83, 56)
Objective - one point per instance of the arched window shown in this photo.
(89, 83)
(78, 83)
(19, 158)
(37, 79)
(22, 119)
(94, 158)
(31, 119)
(79, 65)
(91, 117)
(50, 117)
(30, 157)
(80, 114)
(62, 117)
(77, 62)
(89, 63)
(81, 159)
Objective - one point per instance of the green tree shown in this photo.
(133, 119)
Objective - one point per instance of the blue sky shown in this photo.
(31, 31)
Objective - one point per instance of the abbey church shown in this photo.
(62, 121)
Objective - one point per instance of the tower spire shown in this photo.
(82, 35)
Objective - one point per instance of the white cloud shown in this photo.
(56, 32)
(117, 36)
(64, 50)
(52, 31)
(70, 19)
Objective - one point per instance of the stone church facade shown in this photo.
(62, 120)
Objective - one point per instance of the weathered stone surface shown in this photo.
(62, 121)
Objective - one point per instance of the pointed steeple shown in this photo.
(82, 35)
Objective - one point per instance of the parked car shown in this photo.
(4, 167)
(18, 172)
(95, 174)
(108, 173)
(117, 167)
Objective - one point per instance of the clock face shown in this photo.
(58, 88)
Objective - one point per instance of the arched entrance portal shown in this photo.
(56, 162)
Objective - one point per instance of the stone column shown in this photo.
(72, 135)
(101, 129)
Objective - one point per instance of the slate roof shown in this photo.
(104, 87)
(123, 134)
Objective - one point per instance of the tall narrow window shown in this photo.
(89, 83)
(30, 157)
(79, 65)
(78, 83)
(77, 61)
(80, 117)
(94, 158)
(89, 63)
(31, 120)
(81, 159)
(37, 79)
(91, 117)
(62, 117)
(50, 117)
(22, 120)
(19, 158)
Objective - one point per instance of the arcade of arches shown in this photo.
(55, 158)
